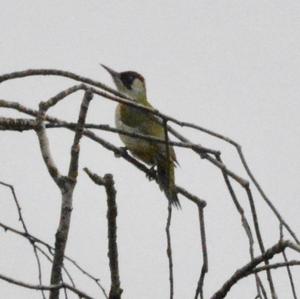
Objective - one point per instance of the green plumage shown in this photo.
(152, 153)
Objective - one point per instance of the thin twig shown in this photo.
(246, 167)
(84, 272)
(21, 219)
(249, 267)
(46, 105)
(276, 266)
(51, 261)
(260, 240)
(264, 196)
(51, 250)
(53, 72)
(167, 148)
(245, 225)
(64, 269)
(204, 269)
(45, 288)
(290, 275)
(169, 251)
(211, 159)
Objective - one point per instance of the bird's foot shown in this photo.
(151, 174)
(123, 150)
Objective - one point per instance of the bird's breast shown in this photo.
(140, 148)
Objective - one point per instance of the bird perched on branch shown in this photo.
(135, 120)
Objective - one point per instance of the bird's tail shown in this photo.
(166, 181)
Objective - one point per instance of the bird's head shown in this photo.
(129, 83)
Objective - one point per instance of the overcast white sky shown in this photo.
(231, 66)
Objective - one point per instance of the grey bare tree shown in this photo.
(61, 279)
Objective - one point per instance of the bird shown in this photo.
(134, 120)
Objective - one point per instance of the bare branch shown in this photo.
(17, 124)
(245, 225)
(204, 268)
(46, 153)
(276, 266)
(197, 148)
(128, 101)
(121, 98)
(45, 288)
(60, 96)
(195, 199)
(18, 107)
(264, 196)
(260, 240)
(112, 212)
(43, 252)
(73, 169)
(120, 153)
(290, 275)
(52, 72)
(21, 219)
(23, 124)
(246, 166)
(167, 147)
(169, 251)
(67, 189)
(249, 267)
(51, 250)
(67, 184)
(215, 162)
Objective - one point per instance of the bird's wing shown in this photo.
(147, 124)
(152, 126)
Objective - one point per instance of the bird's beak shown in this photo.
(113, 73)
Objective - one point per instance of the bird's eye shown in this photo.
(127, 79)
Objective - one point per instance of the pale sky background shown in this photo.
(231, 66)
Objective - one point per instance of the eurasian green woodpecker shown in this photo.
(134, 120)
